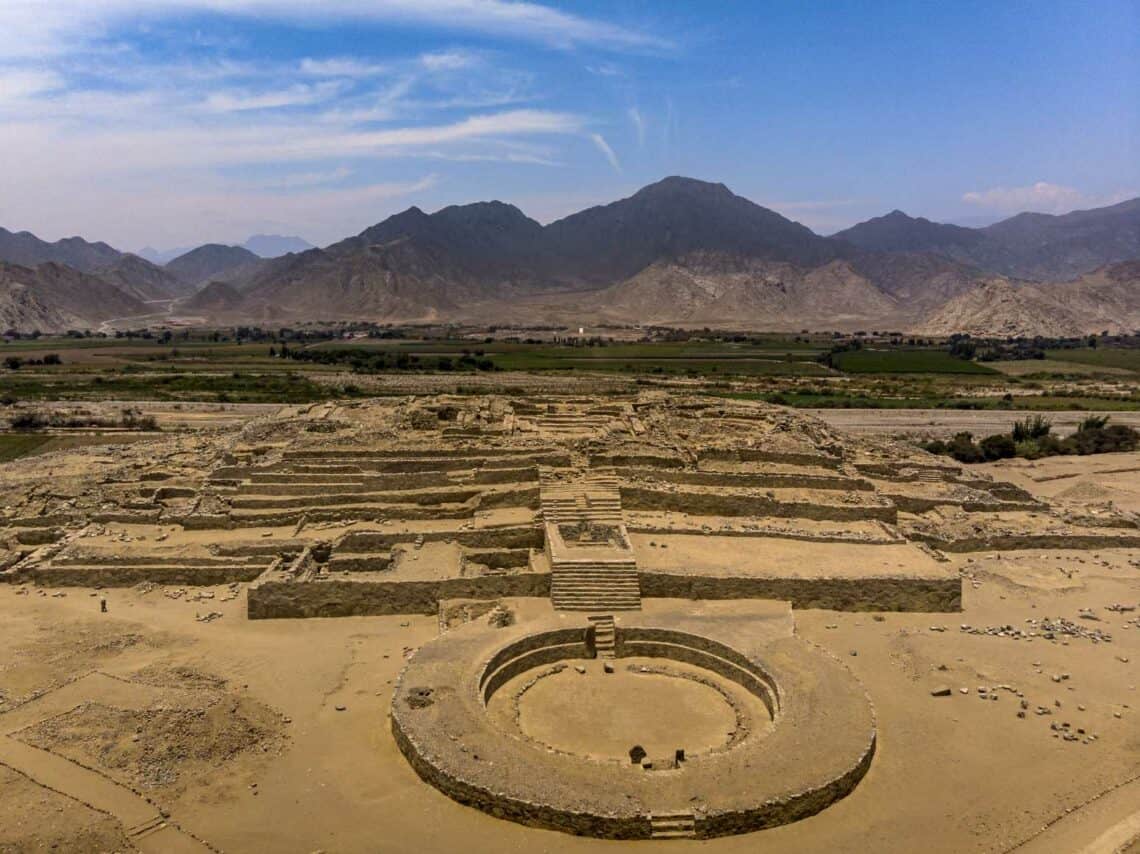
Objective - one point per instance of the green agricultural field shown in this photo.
(230, 387)
(1127, 358)
(906, 362)
(16, 445)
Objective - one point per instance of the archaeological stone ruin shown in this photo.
(643, 554)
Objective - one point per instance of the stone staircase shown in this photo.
(596, 499)
(588, 576)
(595, 586)
(605, 633)
(673, 825)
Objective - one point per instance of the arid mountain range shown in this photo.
(680, 252)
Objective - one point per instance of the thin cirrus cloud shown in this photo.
(604, 147)
(638, 120)
(344, 67)
(34, 27)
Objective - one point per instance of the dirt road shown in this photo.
(947, 422)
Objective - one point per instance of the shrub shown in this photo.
(963, 449)
(1093, 422)
(28, 421)
(1031, 428)
(998, 447)
(1103, 440)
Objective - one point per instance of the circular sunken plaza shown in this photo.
(675, 721)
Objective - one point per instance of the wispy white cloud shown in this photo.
(1041, 197)
(449, 60)
(294, 96)
(295, 180)
(604, 147)
(17, 84)
(638, 125)
(605, 69)
(35, 27)
(342, 67)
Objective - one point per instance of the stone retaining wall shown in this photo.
(756, 480)
(799, 806)
(835, 594)
(521, 537)
(108, 575)
(1015, 542)
(270, 599)
(734, 504)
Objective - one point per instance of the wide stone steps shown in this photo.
(595, 588)
(677, 825)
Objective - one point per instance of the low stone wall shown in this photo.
(694, 655)
(1016, 542)
(759, 455)
(107, 575)
(799, 806)
(39, 536)
(529, 643)
(711, 503)
(906, 471)
(651, 460)
(921, 504)
(500, 558)
(835, 594)
(332, 498)
(355, 598)
(521, 537)
(857, 537)
(528, 813)
(755, 480)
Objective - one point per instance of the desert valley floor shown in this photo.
(321, 627)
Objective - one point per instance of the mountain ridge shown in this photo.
(678, 251)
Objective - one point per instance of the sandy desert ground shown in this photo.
(273, 735)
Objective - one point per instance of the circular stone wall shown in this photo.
(462, 716)
(645, 707)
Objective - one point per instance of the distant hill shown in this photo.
(1048, 247)
(670, 219)
(1105, 299)
(715, 288)
(142, 279)
(897, 232)
(52, 297)
(200, 265)
(162, 256)
(28, 250)
(275, 245)
(214, 298)
(1036, 246)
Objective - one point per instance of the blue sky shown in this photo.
(173, 122)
